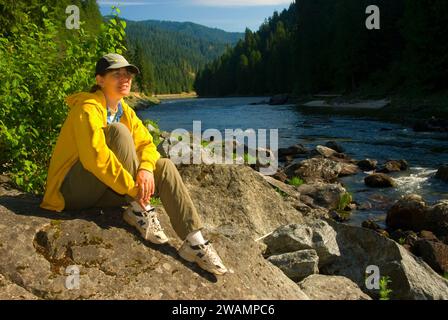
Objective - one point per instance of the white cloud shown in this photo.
(240, 3)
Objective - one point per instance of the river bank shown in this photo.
(183, 95)
(407, 110)
(141, 101)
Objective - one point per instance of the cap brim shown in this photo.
(129, 66)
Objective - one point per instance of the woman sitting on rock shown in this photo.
(106, 157)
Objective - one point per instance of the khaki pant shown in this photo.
(82, 190)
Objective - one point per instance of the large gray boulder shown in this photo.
(316, 169)
(297, 265)
(408, 213)
(359, 248)
(394, 166)
(323, 287)
(411, 212)
(379, 180)
(348, 251)
(302, 203)
(316, 235)
(326, 195)
(11, 291)
(348, 169)
(40, 250)
(348, 166)
(293, 151)
(326, 151)
(435, 253)
(235, 199)
(367, 164)
(437, 219)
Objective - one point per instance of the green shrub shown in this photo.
(345, 199)
(384, 288)
(280, 192)
(154, 133)
(248, 159)
(155, 201)
(295, 181)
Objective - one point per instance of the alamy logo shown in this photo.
(72, 280)
(254, 147)
(373, 20)
(372, 277)
(72, 21)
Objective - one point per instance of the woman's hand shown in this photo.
(146, 186)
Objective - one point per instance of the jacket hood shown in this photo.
(84, 97)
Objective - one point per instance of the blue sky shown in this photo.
(229, 15)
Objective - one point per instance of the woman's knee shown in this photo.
(118, 129)
(164, 164)
(118, 136)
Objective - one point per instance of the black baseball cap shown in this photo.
(112, 61)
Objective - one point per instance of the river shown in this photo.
(360, 137)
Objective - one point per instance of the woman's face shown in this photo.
(116, 83)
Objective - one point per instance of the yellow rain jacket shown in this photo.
(82, 138)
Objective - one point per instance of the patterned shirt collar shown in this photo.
(115, 118)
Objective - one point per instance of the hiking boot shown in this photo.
(147, 223)
(204, 255)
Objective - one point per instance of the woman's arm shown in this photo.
(96, 156)
(144, 144)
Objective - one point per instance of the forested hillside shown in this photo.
(171, 53)
(262, 62)
(336, 52)
(324, 46)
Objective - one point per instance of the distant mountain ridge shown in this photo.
(195, 30)
(171, 53)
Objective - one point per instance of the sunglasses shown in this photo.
(125, 74)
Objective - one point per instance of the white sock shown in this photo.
(138, 208)
(196, 238)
